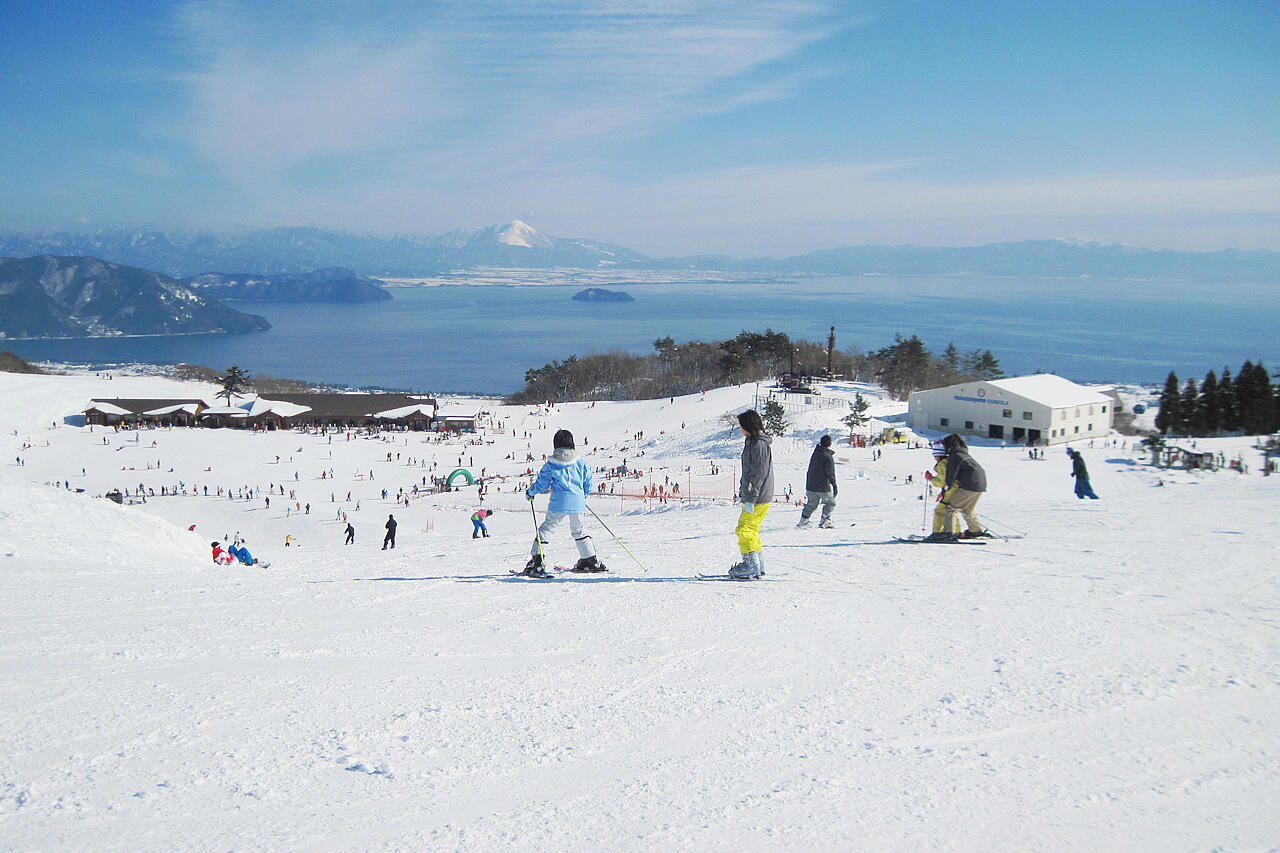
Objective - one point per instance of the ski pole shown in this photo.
(537, 536)
(619, 541)
(1014, 530)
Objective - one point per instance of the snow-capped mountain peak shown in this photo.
(517, 233)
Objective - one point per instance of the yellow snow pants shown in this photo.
(748, 529)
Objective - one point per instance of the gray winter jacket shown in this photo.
(756, 484)
(962, 470)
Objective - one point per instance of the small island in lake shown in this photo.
(599, 294)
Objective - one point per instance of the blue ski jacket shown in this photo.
(568, 479)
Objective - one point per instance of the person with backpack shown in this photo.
(755, 491)
(970, 482)
(569, 480)
(820, 484)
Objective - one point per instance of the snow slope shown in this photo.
(1107, 683)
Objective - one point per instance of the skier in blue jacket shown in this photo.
(569, 480)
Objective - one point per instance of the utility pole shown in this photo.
(831, 348)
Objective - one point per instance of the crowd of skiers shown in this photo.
(961, 482)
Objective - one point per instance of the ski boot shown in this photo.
(589, 565)
(826, 524)
(748, 570)
(804, 524)
(535, 569)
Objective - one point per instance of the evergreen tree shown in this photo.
(1191, 408)
(985, 366)
(1256, 399)
(907, 366)
(1230, 406)
(858, 417)
(951, 358)
(1275, 401)
(234, 383)
(775, 423)
(1169, 418)
(1209, 408)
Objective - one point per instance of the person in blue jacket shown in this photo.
(569, 480)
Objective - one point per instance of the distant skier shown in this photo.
(1081, 473)
(477, 519)
(569, 480)
(390, 539)
(970, 481)
(755, 491)
(351, 535)
(820, 484)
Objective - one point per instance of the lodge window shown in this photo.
(1026, 416)
(1008, 413)
(968, 424)
(945, 422)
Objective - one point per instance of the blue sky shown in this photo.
(748, 128)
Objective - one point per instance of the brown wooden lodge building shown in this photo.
(280, 411)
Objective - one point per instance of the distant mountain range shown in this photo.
(49, 297)
(293, 251)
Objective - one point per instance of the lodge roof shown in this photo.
(310, 406)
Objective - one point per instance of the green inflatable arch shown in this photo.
(461, 472)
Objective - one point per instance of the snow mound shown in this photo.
(49, 525)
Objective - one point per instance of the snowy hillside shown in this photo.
(1108, 682)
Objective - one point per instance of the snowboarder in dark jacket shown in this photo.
(820, 484)
(390, 538)
(1081, 473)
(970, 481)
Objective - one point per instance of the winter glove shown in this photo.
(835, 490)
(748, 508)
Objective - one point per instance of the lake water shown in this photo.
(483, 338)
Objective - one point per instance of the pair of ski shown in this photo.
(548, 577)
(916, 539)
(726, 577)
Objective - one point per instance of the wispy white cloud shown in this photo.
(277, 85)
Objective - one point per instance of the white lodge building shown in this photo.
(1043, 408)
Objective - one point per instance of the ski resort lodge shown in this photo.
(1039, 409)
(281, 411)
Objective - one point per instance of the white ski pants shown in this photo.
(586, 549)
